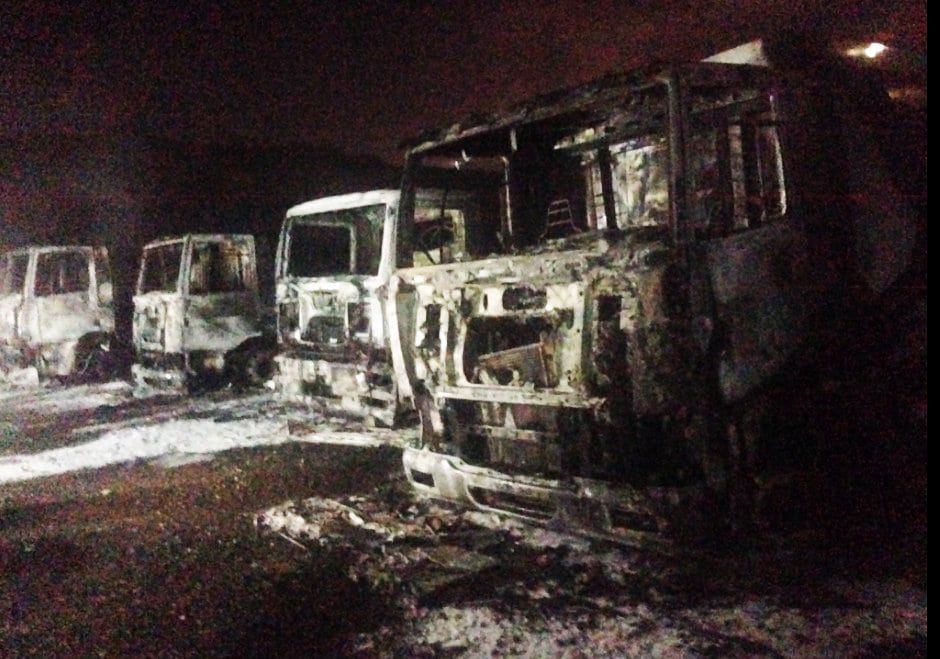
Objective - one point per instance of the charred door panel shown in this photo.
(50, 301)
(10, 310)
(60, 308)
(219, 322)
(756, 279)
(401, 325)
(65, 317)
(221, 307)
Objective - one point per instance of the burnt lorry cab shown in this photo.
(56, 310)
(637, 273)
(334, 260)
(197, 313)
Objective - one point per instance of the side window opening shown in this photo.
(440, 236)
(455, 211)
(60, 273)
(13, 275)
(735, 173)
(638, 171)
(769, 154)
(217, 268)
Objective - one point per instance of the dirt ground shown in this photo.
(213, 526)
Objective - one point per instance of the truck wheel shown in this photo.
(91, 365)
(255, 368)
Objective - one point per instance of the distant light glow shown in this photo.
(871, 50)
(874, 49)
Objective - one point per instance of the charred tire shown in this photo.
(92, 364)
(251, 367)
(258, 368)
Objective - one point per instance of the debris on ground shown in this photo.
(51, 399)
(472, 583)
(354, 562)
(185, 436)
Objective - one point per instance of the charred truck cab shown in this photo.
(197, 313)
(334, 260)
(56, 311)
(635, 277)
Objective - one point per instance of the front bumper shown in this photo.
(622, 512)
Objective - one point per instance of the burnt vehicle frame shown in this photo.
(331, 266)
(335, 256)
(198, 319)
(655, 262)
(56, 311)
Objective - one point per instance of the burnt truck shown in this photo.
(198, 319)
(56, 311)
(334, 260)
(647, 259)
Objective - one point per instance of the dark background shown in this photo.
(119, 124)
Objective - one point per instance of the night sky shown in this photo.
(155, 111)
(360, 75)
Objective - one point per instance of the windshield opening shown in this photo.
(607, 167)
(161, 267)
(603, 168)
(342, 242)
(61, 273)
(735, 166)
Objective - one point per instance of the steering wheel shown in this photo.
(434, 237)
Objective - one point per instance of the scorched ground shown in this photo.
(232, 525)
